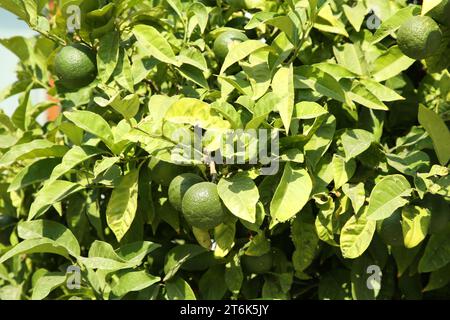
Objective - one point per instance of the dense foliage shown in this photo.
(359, 205)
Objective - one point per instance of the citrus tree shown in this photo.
(229, 149)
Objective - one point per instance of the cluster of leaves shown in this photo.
(363, 180)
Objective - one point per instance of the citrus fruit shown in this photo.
(179, 186)
(419, 37)
(441, 13)
(225, 40)
(202, 207)
(390, 229)
(162, 172)
(75, 66)
(257, 264)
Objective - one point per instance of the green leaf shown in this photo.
(415, 222)
(128, 106)
(404, 257)
(179, 255)
(229, 112)
(198, 14)
(135, 252)
(308, 110)
(327, 22)
(195, 112)
(335, 285)
(343, 170)
(240, 195)
(291, 194)
(438, 131)
(224, 235)
(355, 14)
(102, 256)
(437, 252)
(286, 24)
(390, 64)
(258, 73)
(362, 95)
(35, 172)
(240, 51)
(387, 196)
(193, 74)
(360, 279)
(212, 284)
(154, 43)
(390, 25)
(438, 279)
(51, 194)
(178, 289)
(32, 150)
(357, 195)
(71, 159)
(46, 284)
(326, 221)
(51, 230)
(258, 245)
(380, 91)
(234, 275)
(283, 86)
(356, 236)
(319, 143)
(108, 55)
(30, 246)
(94, 124)
(355, 142)
(14, 6)
(104, 164)
(193, 57)
(122, 205)
(133, 281)
(409, 163)
(351, 57)
(309, 77)
(305, 239)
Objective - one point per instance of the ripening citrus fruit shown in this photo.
(75, 66)
(179, 186)
(390, 229)
(419, 37)
(441, 13)
(225, 40)
(202, 207)
(257, 264)
(162, 172)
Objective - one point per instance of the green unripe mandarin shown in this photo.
(258, 264)
(202, 207)
(224, 41)
(75, 66)
(179, 186)
(419, 37)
